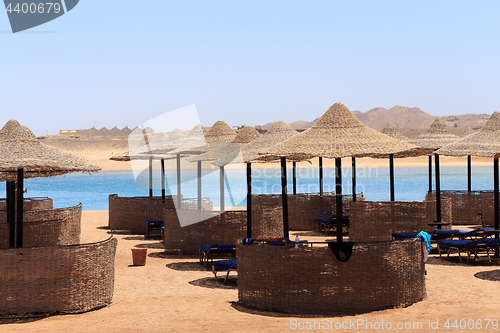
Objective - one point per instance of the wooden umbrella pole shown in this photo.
(353, 170)
(150, 177)
(438, 190)
(199, 185)
(162, 180)
(469, 174)
(249, 200)
(391, 175)
(321, 176)
(179, 197)
(221, 188)
(496, 195)
(11, 212)
(294, 176)
(338, 201)
(430, 173)
(20, 202)
(284, 197)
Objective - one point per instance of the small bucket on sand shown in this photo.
(139, 257)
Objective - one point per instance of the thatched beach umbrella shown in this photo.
(23, 156)
(391, 130)
(484, 143)
(218, 149)
(249, 153)
(10, 186)
(337, 134)
(437, 136)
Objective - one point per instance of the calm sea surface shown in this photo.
(93, 190)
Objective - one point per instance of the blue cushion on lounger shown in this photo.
(404, 235)
(217, 248)
(458, 243)
(224, 264)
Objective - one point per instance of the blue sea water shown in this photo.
(93, 190)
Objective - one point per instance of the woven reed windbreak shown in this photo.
(312, 281)
(376, 220)
(304, 208)
(31, 203)
(48, 227)
(132, 213)
(60, 279)
(466, 206)
(215, 228)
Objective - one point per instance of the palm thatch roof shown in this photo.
(218, 150)
(250, 152)
(484, 142)
(467, 131)
(391, 130)
(437, 136)
(193, 143)
(23, 150)
(7, 129)
(338, 133)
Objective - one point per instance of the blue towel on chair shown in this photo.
(425, 238)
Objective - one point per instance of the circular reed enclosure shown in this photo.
(132, 213)
(46, 227)
(375, 221)
(31, 203)
(228, 227)
(466, 206)
(60, 279)
(310, 280)
(304, 208)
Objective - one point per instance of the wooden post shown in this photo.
(353, 170)
(20, 203)
(391, 175)
(221, 190)
(469, 174)
(438, 191)
(249, 200)
(321, 176)
(294, 176)
(179, 195)
(284, 197)
(199, 185)
(150, 177)
(338, 197)
(162, 180)
(11, 211)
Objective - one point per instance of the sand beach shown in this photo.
(174, 294)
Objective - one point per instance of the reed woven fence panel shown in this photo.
(312, 281)
(218, 228)
(466, 206)
(31, 203)
(132, 213)
(304, 208)
(51, 227)
(61, 279)
(376, 220)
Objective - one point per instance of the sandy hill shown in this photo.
(403, 117)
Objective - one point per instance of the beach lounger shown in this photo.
(476, 233)
(154, 228)
(435, 234)
(327, 223)
(208, 252)
(224, 265)
(472, 248)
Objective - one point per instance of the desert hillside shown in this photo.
(404, 118)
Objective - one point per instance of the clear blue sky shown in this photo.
(120, 63)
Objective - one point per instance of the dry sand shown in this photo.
(158, 298)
